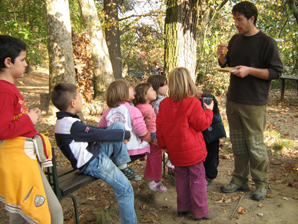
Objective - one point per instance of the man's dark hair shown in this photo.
(247, 9)
(10, 47)
(63, 94)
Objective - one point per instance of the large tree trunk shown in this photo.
(103, 71)
(61, 65)
(294, 8)
(180, 35)
(113, 36)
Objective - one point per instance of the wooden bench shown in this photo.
(65, 181)
(283, 80)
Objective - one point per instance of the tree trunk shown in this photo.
(113, 36)
(293, 8)
(61, 65)
(180, 35)
(103, 71)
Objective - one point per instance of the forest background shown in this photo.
(136, 36)
(139, 26)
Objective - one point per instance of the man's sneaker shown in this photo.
(131, 174)
(231, 187)
(157, 187)
(211, 215)
(260, 194)
(169, 164)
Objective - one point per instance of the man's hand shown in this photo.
(222, 49)
(242, 71)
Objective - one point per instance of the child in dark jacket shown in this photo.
(89, 148)
(211, 136)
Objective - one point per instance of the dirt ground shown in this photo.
(97, 203)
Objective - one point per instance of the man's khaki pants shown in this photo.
(247, 124)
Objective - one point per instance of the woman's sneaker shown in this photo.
(157, 187)
(169, 164)
(131, 174)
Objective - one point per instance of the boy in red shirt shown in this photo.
(24, 189)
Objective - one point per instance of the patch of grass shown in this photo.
(143, 195)
(107, 215)
(275, 143)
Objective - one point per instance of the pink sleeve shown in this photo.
(103, 121)
(137, 122)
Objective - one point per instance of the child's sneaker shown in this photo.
(131, 174)
(157, 187)
(169, 164)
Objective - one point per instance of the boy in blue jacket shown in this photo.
(89, 148)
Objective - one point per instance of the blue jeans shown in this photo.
(104, 168)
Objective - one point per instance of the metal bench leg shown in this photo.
(75, 206)
(282, 89)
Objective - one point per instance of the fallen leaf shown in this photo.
(269, 195)
(241, 210)
(260, 205)
(228, 200)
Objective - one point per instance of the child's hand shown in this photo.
(164, 150)
(154, 141)
(34, 115)
(210, 106)
(127, 140)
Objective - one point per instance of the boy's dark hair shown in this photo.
(247, 9)
(157, 81)
(140, 93)
(63, 94)
(10, 47)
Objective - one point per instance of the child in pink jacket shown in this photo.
(144, 94)
(119, 93)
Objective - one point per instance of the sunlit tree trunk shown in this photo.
(294, 8)
(180, 35)
(103, 71)
(61, 66)
(113, 36)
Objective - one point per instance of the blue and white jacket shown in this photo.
(78, 142)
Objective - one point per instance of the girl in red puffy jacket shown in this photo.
(180, 122)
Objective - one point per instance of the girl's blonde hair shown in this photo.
(118, 91)
(140, 93)
(181, 85)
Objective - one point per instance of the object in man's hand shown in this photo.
(227, 69)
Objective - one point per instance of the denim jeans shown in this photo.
(103, 168)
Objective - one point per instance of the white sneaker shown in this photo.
(157, 187)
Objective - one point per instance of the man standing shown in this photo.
(255, 57)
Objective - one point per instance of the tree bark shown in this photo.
(103, 71)
(113, 36)
(61, 67)
(180, 35)
(293, 6)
